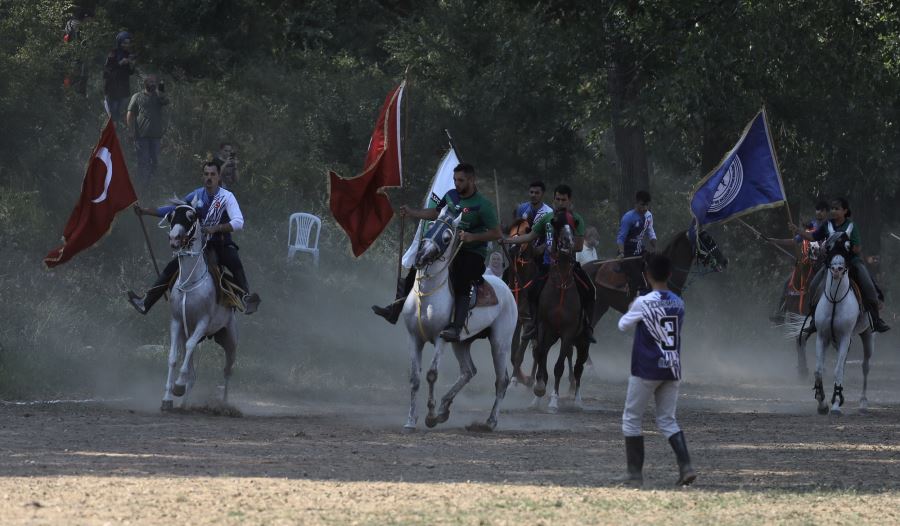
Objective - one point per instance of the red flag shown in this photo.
(359, 204)
(105, 191)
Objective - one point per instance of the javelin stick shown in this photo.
(497, 196)
(895, 236)
(766, 239)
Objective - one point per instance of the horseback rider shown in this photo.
(478, 224)
(636, 225)
(543, 230)
(221, 215)
(840, 222)
(809, 254)
(533, 209)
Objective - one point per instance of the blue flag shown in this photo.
(746, 180)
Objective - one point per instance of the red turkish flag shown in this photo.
(105, 191)
(359, 204)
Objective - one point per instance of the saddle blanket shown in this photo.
(483, 295)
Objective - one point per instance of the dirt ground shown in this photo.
(762, 452)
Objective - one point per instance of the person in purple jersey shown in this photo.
(655, 371)
(636, 234)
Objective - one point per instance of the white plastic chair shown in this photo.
(300, 235)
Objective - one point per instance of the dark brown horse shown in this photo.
(520, 277)
(611, 290)
(559, 317)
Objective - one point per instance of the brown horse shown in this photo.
(520, 277)
(611, 289)
(559, 317)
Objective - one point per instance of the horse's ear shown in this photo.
(168, 217)
(195, 202)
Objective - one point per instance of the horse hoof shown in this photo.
(836, 412)
(478, 427)
(540, 389)
(431, 421)
(166, 406)
(552, 410)
(178, 390)
(823, 410)
(408, 430)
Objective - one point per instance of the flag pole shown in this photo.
(140, 217)
(499, 215)
(766, 239)
(400, 248)
(452, 144)
(787, 205)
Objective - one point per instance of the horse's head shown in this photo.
(519, 228)
(838, 267)
(438, 238)
(838, 244)
(709, 254)
(183, 223)
(563, 234)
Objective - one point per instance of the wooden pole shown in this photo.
(149, 245)
(766, 239)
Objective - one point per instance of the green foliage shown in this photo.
(524, 87)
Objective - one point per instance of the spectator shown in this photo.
(226, 160)
(76, 76)
(145, 123)
(589, 252)
(496, 264)
(118, 68)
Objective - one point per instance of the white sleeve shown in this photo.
(634, 315)
(235, 217)
(650, 231)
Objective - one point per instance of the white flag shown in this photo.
(440, 185)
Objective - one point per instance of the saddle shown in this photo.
(483, 295)
(611, 275)
(228, 293)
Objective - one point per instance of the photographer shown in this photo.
(145, 123)
(226, 160)
(117, 70)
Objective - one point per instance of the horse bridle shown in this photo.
(190, 233)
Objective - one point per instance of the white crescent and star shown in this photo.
(104, 155)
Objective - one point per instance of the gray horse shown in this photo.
(427, 311)
(196, 313)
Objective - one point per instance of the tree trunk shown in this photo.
(628, 133)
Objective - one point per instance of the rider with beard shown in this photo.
(220, 215)
(478, 224)
(543, 229)
(840, 222)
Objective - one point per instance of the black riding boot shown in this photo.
(392, 311)
(460, 311)
(634, 457)
(686, 473)
(877, 323)
(155, 292)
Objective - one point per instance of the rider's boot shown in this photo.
(811, 326)
(143, 304)
(877, 323)
(392, 312)
(460, 311)
(634, 457)
(251, 302)
(686, 473)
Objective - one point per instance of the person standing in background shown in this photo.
(226, 159)
(117, 70)
(145, 123)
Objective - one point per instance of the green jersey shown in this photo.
(478, 216)
(544, 228)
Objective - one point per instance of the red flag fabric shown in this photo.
(105, 191)
(359, 204)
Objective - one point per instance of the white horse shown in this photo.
(427, 311)
(838, 317)
(195, 312)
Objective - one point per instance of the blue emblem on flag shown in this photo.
(746, 180)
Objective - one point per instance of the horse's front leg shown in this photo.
(189, 346)
(868, 340)
(837, 397)
(176, 336)
(541, 376)
(583, 349)
(802, 369)
(466, 372)
(415, 370)
(821, 348)
(565, 353)
(430, 419)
